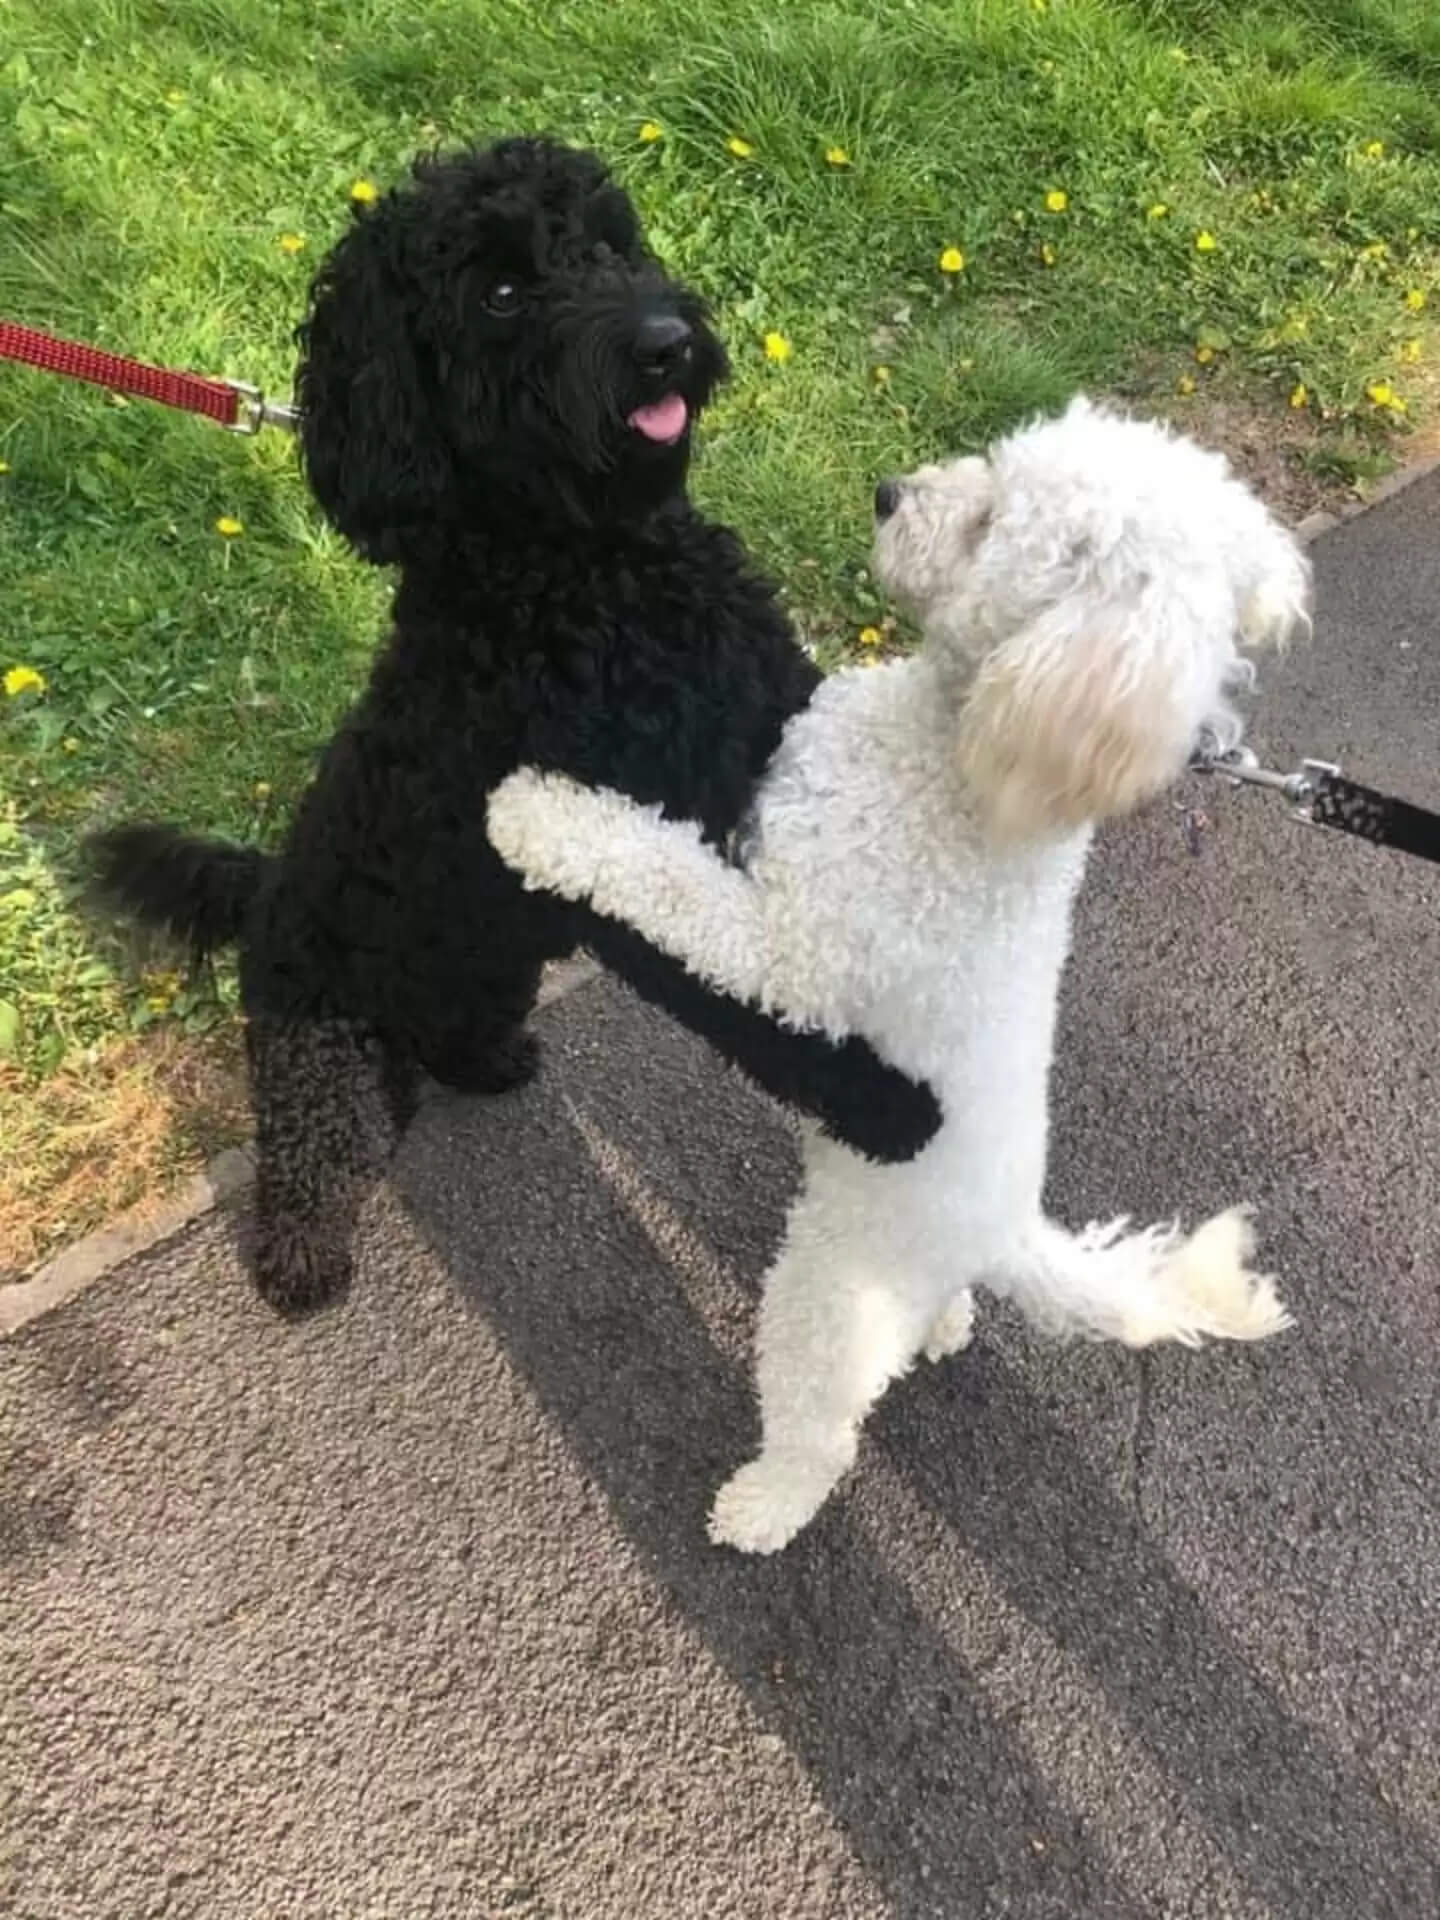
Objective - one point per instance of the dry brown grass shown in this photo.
(110, 1132)
(1298, 463)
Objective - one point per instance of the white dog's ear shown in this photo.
(1094, 706)
(1277, 600)
(1089, 710)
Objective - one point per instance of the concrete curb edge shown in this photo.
(225, 1179)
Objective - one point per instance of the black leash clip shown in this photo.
(1321, 797)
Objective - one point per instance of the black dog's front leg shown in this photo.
(845, 1085)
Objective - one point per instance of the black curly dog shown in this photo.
(497, 391)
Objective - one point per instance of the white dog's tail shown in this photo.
(1140, 1288)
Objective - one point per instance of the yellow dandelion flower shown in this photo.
(881, 376)
(778, 348)
(741, 149)
(870, 636)
(291, 242)
(1157, 212)
(1374, 150)
(837, 157)
(1415, 300)
(262, 789)
(160, 990)
(1299, 395)
(4, 466)
(364, 193)
(1410, 351)
(229, 526)
(70, 744)
(952, 260)
(20, 680)
(1186, 383)
(651, 131)
(1381, 394)
(1057, 200)
(1048, 254)
(1375, 250)
(1205, 241)
(1204, 355)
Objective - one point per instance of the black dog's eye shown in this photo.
(503, 298)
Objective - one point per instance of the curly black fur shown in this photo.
(482, 371)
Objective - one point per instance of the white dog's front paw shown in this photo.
(954, 1328)
(536, 822)
(515, 818)
(762, 1507)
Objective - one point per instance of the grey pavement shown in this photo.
(409, 1611)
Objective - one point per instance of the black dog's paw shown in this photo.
(298, 1270)
(499, 1067)
(878, 1110)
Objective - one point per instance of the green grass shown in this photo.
(155, 151)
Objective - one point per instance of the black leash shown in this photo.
(1321, 797)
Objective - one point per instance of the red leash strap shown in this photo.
(231, 404)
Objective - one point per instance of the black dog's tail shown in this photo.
(198, 891)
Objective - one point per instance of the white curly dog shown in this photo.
(908, 874)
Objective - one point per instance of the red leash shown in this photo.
(230, 403)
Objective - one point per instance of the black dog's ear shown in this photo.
(374, 452)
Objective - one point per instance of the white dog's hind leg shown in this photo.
(1144, 1287)
(831, 1338)
(953, 1328)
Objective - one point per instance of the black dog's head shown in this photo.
(493, 344)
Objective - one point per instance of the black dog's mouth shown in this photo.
(663, 422)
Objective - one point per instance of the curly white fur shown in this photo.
(917, 843)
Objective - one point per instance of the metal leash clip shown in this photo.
(1241, 768)
(255, 411)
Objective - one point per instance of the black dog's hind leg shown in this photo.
(331, 1101)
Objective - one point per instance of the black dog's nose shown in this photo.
(887, 498)
(661, 340)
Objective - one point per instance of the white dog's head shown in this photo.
(1098, 578)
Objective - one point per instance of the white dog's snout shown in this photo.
(928, 525)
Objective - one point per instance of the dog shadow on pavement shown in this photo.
(612, 1231)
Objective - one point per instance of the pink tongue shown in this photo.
(663, 420)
